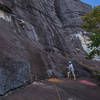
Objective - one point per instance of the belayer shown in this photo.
(71, 70)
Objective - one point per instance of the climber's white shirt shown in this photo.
(71, 68)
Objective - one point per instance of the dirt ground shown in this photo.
(65, 90)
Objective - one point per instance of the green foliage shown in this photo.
(97, 72)
(97, 75)
(91, 23)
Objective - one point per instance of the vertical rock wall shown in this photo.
(37, 36)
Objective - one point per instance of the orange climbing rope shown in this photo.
(55, 80)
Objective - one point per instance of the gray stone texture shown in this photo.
(44, 43)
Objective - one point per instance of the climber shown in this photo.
(22, 23)
(71, 70)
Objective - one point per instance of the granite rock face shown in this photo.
(70, 12)
(14, 77)
(37, 36)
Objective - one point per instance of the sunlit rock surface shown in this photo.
(5, 16)
(85, 43)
